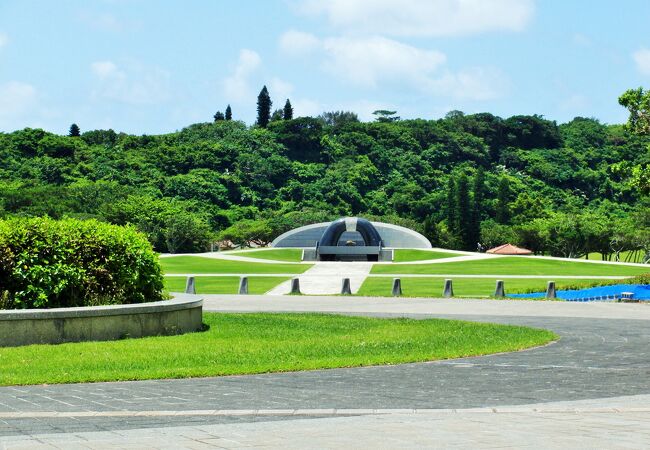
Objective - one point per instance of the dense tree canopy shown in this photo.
(563, 189)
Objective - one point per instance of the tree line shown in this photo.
(563, 189)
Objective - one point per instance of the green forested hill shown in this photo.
(562, 190)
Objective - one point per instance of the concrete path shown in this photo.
(325, 278)
(559, 428)
(427, 306)
(590, 389)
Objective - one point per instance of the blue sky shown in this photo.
(146, 66)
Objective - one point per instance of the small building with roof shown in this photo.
(509, 249)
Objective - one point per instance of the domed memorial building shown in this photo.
(351, 239)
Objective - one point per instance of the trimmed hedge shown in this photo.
(47, 263)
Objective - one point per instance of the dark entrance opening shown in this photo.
(349, 239)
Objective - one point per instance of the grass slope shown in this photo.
(512, 266)
(463, 287)
(276, 254)
(258, 343)
(198, 264)
(411, 254)
(224, 285)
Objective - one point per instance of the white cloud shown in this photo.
(367, 61)
(134, 83)
(475, 83)
(236, 87)
(298, 43)
(423, 17)
(642, 60)
(305, 107)
(4, 39)
(106, 69)
(16, 99)
(19, 106)
(280, 90)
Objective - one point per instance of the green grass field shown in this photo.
(411, 254)
(259, 343)
(463, 287)
(512, 266)
(223, 285)
(198, 264)
(276, 254)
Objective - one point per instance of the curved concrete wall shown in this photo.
(182, 314)
(393, 236)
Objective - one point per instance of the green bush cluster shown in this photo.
(46, 263)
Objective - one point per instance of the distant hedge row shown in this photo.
(47, 263)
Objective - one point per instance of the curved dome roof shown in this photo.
(392, 236)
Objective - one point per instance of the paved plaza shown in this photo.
(590, 389)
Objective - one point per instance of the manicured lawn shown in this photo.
(258, 343)
(198, 264)
(276, 254)
(411, 254)
(463, 287)
(512, 266)
(223, 285)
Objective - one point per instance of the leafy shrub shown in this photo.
(45, 263)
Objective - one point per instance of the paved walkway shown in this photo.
(240, 255)
(325, 278)
(590, 389)
(427, 306)
(508, 428)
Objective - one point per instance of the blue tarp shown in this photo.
(640, 291)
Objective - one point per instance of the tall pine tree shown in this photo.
(287, 111)
(503, 201)
(228, 113)
(74, 130)
(452, 217)
(477, 204)
(464, 213)
(264, 104)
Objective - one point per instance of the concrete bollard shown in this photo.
(189, 286)
(345, 287)
(550, 290)
(499, 291)
(295, 286)
(397, 287)
(243, 285)
(448, 291)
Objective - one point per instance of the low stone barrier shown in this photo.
(180, 315)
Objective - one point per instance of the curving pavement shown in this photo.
(593, 383)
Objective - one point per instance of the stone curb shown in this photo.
(179, 302)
